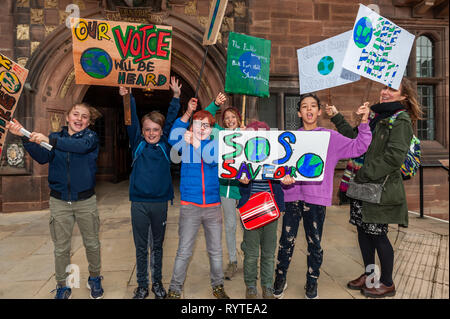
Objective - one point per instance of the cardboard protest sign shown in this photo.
(264, 155)
(248, 64)
(320, 64)
(216, 13)
(121, 54)
(378, 49)
(12, 80)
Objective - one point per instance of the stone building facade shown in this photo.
(34, 33)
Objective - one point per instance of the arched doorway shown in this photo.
(114, 161)
(51, 89)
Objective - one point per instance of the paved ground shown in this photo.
(27, 269)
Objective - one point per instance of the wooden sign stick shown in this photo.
(329, 97)
(127, 108)
(244, 100)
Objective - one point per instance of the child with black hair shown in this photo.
(309, 199)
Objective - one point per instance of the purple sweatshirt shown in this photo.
(339, 147)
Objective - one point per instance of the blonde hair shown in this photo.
(93, 112)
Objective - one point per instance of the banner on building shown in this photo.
(264, 155)
(320, 64)
(378, 49)
(216, 13)
(121, 54)
(248, 65)
(12, 81)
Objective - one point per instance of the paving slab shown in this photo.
(421, 261)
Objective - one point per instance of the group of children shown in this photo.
(72, 168)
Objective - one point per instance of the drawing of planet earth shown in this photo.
(96, 63)
(310, 165)
(257, 149)
(362, 32)
(249, 64)
(325, 65)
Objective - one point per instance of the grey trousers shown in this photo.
(191, 217)
(229, 219)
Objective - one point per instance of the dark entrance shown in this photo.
(114, 161)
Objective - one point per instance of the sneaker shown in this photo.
(231, 270)
(279, 287)
(140, 293)
(173, 294)
(219, 292)
(251, 292)
(95, 286)
(267, 293)
(158, 290)
(311, 291)
(63, 292)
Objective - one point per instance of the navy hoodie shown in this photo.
(72, 162)
(150, 179)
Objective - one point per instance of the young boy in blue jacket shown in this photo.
(200, 198)
(71, 178)
(150, 189)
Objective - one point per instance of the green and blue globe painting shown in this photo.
(325, 65)
(362, 32)
(257, 149)
(310, 165)
(96, 63)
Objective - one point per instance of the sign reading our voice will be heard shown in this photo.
(121, 54)
(264, 155)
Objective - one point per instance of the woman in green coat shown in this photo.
(391, 140)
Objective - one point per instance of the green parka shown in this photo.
(385, 155)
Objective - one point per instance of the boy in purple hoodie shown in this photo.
(309, 199)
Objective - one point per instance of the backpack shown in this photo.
(412, 161)
(140, 148)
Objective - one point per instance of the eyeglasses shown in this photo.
(202, 125)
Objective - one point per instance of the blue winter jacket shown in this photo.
(150, 179)
(72, 163)
(199, 182)
(245, 190)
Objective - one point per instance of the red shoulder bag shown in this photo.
(261, 209)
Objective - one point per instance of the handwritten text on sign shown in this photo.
(263, 155)
(12, 80)
(118, 53)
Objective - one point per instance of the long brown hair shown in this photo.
(411, 102)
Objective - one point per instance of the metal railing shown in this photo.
(421, 181)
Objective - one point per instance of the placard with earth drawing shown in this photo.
(272, 155)
(320, 64)
(121, 54)
(248, 65)
(378, 49)
(12, 81)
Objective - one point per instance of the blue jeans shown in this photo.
(149, 227)
(313, 220)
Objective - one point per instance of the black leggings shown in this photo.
(368, 244)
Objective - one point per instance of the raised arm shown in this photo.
(340, 122)
(174, 106)
(134, 130)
